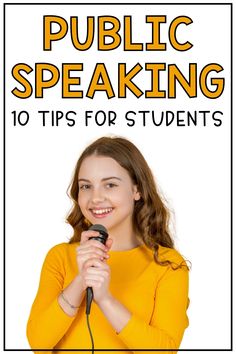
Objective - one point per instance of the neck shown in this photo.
(116, 246)
(123, 239)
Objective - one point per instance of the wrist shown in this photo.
(78, 279)
(106, 302)
(116, 313)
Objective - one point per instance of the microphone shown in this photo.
(103, 235)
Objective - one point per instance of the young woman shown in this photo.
(139, 281)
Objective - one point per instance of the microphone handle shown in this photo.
(89, 290)
(89, 299)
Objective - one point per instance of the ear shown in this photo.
(137, 194)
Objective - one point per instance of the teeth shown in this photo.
(102, 211)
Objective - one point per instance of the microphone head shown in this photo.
(99, 228)
(102, 231)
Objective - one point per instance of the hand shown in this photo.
(91, 249)
(96, 274)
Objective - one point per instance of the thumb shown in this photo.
(109, 243)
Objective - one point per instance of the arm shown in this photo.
(169, 319)
(48, 322)
(51, 316)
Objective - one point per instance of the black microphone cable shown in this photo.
(103, 235)
(90, 333)
(89, 299)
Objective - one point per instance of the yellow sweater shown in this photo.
(157, 297)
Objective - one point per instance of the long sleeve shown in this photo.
(156, 296)
(47, 322)
(169, 319)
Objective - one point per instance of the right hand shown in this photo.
(91, 249)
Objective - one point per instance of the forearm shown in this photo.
(133, 331)
(116, 313)
(139, 334)
(46, 328)
(72, 297)
(48, 324)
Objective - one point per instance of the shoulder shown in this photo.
(60, 251)
(165, 254)
(172, 255)
(175, 275)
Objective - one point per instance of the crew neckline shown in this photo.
(127, 251)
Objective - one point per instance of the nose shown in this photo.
(98, 196)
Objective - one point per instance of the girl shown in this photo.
(139, 281)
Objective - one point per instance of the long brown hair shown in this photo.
(150, 216)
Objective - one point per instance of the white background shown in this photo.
(191, 164)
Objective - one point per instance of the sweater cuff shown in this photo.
(46, 320)
(137, 334)
(129, 330)
(59, 313)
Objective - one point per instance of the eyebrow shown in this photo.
(103, 179)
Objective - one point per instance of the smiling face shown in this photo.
(106, 194)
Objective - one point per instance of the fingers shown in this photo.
(92, 248)
(96, 276)
(99, 276)
(83, 254)
(91, 251)
(92, 244)
(85, 235)
(109, 243)
(94, 262)
(93, 283)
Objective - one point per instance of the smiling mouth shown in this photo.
(101, 212)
